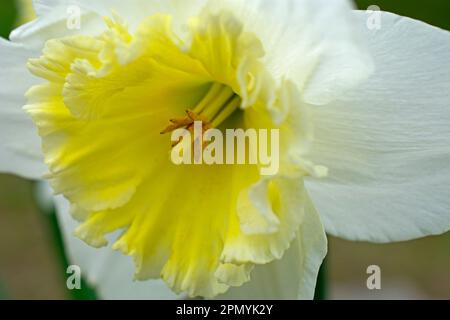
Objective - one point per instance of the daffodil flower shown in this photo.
(363, 116)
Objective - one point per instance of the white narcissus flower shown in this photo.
(364, 125)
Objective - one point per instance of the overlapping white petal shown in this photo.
(42, 7)
(312, 42)
(56, 22)
(387, 143)
(19, 142)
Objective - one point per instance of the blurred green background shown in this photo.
(32, 266)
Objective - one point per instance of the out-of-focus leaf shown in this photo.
(8, 16)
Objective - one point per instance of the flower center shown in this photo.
(216, 106)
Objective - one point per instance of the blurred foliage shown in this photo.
(3, 294)
(8, 16)
(29, 264)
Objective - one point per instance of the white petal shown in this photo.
(19, 143)
(53, 15)
(312, 42)
(295, 275)
(57, 22)
(387, 143)
(109, 272)
(42, 7)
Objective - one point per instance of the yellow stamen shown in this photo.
(232, 106)
(215, 107)
(212, 93)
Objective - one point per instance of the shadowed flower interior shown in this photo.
(101, 111)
